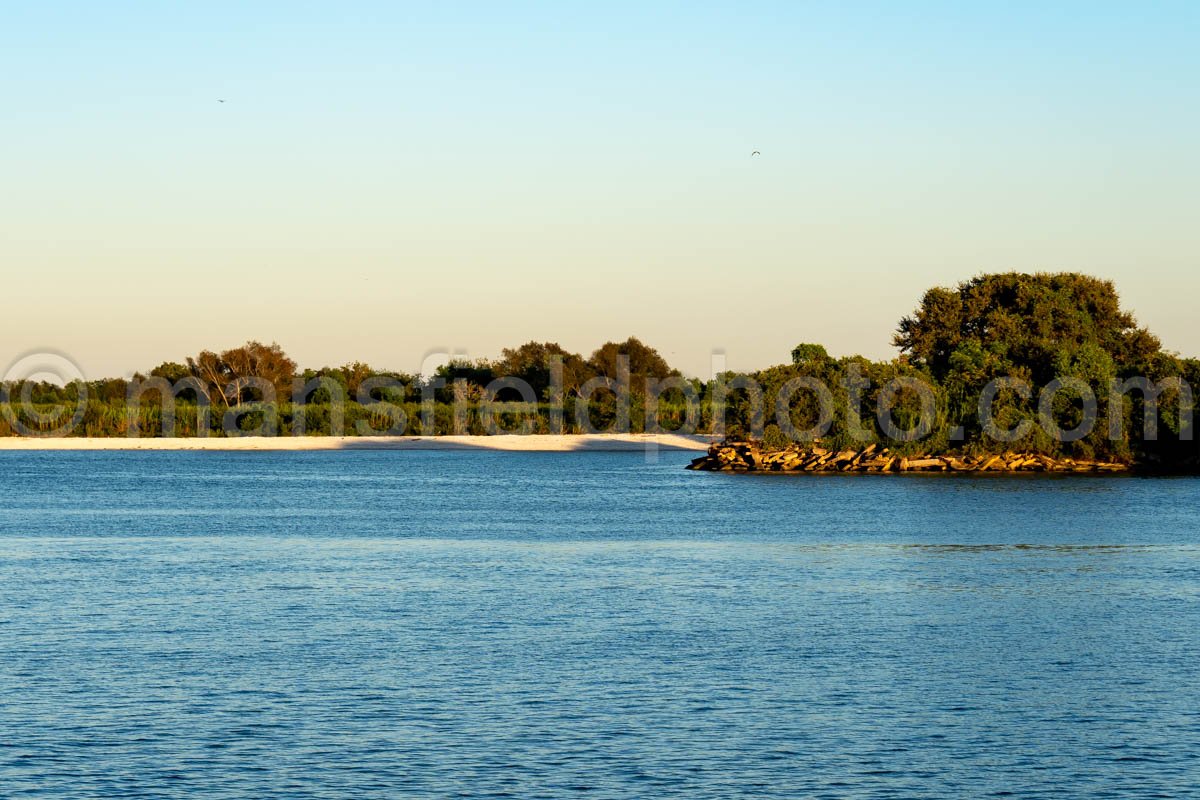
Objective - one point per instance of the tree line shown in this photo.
(1061, 368)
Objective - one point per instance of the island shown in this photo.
(1004, 372)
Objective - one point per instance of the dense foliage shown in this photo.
(1063, 370)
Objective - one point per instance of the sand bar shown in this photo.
(547, 443)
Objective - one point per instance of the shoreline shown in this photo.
(539, 443)
(751, 457)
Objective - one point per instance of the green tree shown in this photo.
(1026, 320)
(171, 371)
(807, 353)
(644, 362)
(531, 362)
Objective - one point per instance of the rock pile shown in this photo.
(751, 457)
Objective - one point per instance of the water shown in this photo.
(473, 624)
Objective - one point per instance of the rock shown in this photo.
(925, 463)
(751, 457)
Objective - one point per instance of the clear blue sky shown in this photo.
(390, 179)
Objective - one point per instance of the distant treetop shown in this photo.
(809, 354)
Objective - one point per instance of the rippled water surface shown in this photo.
(475, 624)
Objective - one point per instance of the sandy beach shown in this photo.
(549, 443)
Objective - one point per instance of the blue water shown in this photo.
(473, 624)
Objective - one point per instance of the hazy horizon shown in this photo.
(387, 182)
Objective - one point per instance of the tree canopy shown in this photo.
(1024, 323)
(1014, 338)
(644, 361)
(532, 363)
(232, 373)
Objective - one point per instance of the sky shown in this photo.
(388, 181)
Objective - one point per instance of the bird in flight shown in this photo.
(220, 101)
(755, 153)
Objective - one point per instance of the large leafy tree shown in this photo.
(532, 362)
(172, 371)
(811, 356)
(230, 375)
(644, 361)
(1025, 324)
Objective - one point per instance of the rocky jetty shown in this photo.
(751, 457)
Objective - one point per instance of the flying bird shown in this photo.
(755, 153)
(220, 101)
